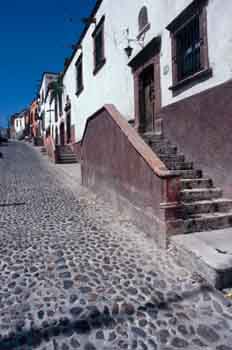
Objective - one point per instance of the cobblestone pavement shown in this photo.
(76, 275)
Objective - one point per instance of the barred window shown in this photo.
(188, 47)
(190, 61)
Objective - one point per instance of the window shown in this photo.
(189, 45)
(99, 50)
(79, 75)
(143, 20)
(188, 49)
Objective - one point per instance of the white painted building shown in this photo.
(18, 124)
(46, 106)
(163, 24)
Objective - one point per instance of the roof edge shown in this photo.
(83, 33)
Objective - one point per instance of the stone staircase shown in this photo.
(202, 206)
(65, 155)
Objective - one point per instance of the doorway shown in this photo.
(68, 126)
(147, 90)
(62, 136)
(146, 99)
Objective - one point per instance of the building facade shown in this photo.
(46, 107)
(19, 124)
(100, 71)
(163, 64)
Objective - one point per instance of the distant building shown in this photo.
(19, 124)
(46, 107)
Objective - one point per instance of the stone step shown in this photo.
(65, 152)
(199, 223)
(164, 149)
(206, 222)
(191, 174)
(172, 157)
(43, 150)
(64, 149)
(205, 206)
(67, 161)
(67, 155)
(187, 184)
(179, 165)
(152, 136)
(198, 194)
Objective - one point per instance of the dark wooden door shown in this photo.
(62, 134)
(68, 127)
(147, 99)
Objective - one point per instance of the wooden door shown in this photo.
(62, 134)
(147, 99)
(68, 126)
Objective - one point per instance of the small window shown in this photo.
(143, 18)
(79, 75)
(99, 50)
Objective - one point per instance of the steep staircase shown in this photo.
(202, 206)
(65, 155)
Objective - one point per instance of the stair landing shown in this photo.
(210, 253)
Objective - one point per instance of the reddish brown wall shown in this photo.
(76, 147)
(111, 165)
(202, 128)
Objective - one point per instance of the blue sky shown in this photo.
(34, 37)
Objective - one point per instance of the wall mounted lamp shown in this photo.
(129, 49)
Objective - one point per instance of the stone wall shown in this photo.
(76, 147)
(119, 165)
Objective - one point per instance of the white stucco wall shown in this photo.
(114, 82)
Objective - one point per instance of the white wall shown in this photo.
(114, 82)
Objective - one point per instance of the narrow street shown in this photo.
(76, 275)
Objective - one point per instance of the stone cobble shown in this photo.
(75, 274)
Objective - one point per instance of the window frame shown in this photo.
(78, 64)
(99, 30)
(195, 9)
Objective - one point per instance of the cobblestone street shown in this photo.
(77, 275)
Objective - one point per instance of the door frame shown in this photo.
(149, 55)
